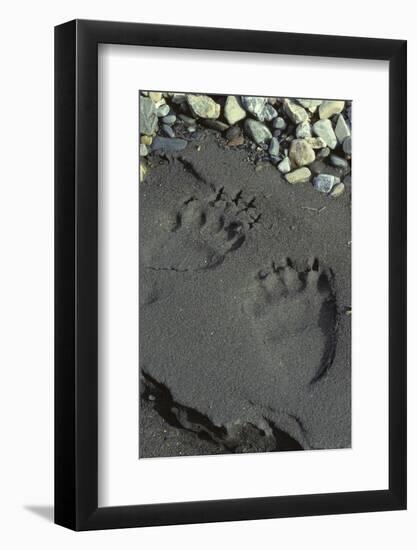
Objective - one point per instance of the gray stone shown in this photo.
(324, 183)
(170, 119)
(233, 132)
(269, 112)
(330, 108)
(273, 148)
(143, 150)
(279, 123)
(148, 121)
(188, 121)
(347, 146)
(323, 153)
(255, 105)
(337, 190)
(324, 129)
(294, 111)
(301, 175)
(233, 111)
(179, 98)
(215, 124)
(203, 106)
(163, 110)
(168, 130)
(338, 161)
(341, 130)
(168, 145)
(303, 130)
(284, 166)
(301, 153)
(310, 104)
(257, 131)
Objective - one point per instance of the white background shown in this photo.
(26, 204)
(123, 479)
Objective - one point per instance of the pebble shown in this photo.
(163, 110)
(179, 98)
(301, 175)
(324, 129)
(148, 121)
(142, 171)
(143, 150)
(323, 153)
(341, 130)
(169, 119)
(188, 121)
(316, 142)
(168, 145)
(203, 106)
(168, 130)
(338, 161)
(257, 131)
(310, 104)
(255, 106)
(155, 96)
(330, 108)
(347, 146)
(301, 153)
(294, 111)
(337, 190)
(303, 130)
(233, 111)
(284, 166)
(324, 183)
(215, 124)
(269, 112)
(232, 132)
(273, 148)
(236, 141)
(146, 140)
(279, 123)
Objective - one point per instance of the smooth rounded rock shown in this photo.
(337, 190)
(341, 129)
(257, 131)
(338, 161)
(233, 132)
(215, 124)
(284, 166)
(203, 106)
(273, 148)
(279, 123)
(294, 111)
(324, 130)
(163, 110)
(330, 108)
(168, 130)
(301, 153)
(169, 119)
(324, 183)
(301, 175)
(148, 120)
(168, 145)
(233, 111)
(347, 146)
(303, 130)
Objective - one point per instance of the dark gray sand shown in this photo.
(245, 281)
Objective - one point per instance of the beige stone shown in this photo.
(301, 175)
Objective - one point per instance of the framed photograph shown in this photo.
(230, 247)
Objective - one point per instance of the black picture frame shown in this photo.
(76, 271)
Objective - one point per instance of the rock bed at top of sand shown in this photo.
(307, 140)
